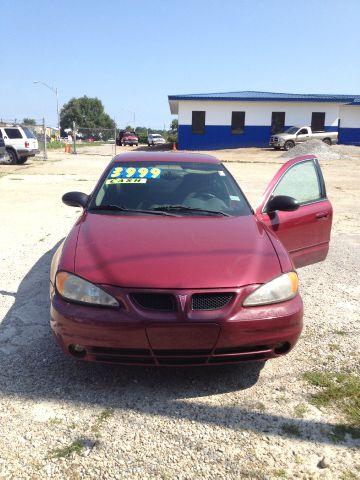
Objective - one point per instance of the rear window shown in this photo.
(13, 133)
(147, 185)
(28, 132)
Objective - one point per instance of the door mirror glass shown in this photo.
(301, 182)
(283, 203)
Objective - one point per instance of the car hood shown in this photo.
(174, 252)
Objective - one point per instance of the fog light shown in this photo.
(282, 347)
(77, 350)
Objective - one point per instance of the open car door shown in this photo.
(304, 232)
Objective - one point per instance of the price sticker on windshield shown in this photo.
(133, 172)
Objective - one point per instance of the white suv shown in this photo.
(20, 143)
(155, 139)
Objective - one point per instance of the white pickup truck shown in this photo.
(294, 135)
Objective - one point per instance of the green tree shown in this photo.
(90, 117)
(29, 121)
(174, 125)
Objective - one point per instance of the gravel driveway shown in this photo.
(63, 419)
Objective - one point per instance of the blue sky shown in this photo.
(132, 55)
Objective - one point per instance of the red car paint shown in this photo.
(185, 258)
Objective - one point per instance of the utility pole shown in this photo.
(74, 139)
(45, 146)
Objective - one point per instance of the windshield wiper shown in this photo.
(183, 208)
(125, 209)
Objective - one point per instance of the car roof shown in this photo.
(166, 157)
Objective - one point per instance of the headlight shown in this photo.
(76, 289)
(277, 290)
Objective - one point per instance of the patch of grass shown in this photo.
(75, 447)
(339, 432)
(105, 414)
(55, 421)
(260, 406)
(280, 472)
(349, 475)
(340, 332)
(102, 417)
(339, 390)
(291, 429)
(300, 410)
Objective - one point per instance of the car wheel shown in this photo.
(22, 160)
(136, 144)
(152, 143)
(289, 145)
(148, 144)
(327, 141)
(13, 158)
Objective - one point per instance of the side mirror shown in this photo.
(282, 203)
(75, 199)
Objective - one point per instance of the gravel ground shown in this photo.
(65, 419)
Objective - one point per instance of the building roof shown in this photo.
(252, 96)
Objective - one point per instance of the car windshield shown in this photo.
(292, 130)
(180, 188)
(155, 135)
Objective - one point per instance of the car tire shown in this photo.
(136, 144)
(22, 160)
(148, 144)
(289, 145)
(327, 141)
(13, 156)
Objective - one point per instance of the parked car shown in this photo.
(294, 135)
(20, 143)
(127, 138)
(4, 157)
(155, 139)
(169, 265)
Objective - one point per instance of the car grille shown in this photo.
(137, 356)
(210, 301)
(155, 301)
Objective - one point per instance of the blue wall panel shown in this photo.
(349, 136)
(217, 137)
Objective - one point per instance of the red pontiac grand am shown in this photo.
(169, 265)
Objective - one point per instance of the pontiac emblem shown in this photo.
(182, 299)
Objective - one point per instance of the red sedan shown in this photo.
(169, 265)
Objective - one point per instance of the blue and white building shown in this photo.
(248, 119)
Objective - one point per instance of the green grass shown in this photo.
(75, 447)
(291, 429)
(280, 472)
(349, 475)
(300, 410)
(338, 390)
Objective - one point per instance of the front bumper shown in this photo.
(135, 336)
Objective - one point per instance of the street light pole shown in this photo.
(54, 90)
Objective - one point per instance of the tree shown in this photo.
(89, 116)
(174, 126)
(29, 121)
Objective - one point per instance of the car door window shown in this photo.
(13, 133)
(303, 131)
(300, 182)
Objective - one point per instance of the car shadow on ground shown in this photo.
(34, 367)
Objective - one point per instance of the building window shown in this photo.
(237, 122)
(277, 122)
(198, 123)
(318, 121)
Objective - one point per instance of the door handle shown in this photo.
(322, 215)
